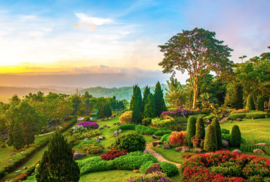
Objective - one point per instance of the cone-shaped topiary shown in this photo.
(210, 141)
(57, 164)
(260, 104)
(237, 100)
(200, 131)
(191, 129)
(250, 103)
(216, 125)
(235, 136)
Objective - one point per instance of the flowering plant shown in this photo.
(225, 166)
(89, 125)
(78, 129)
(173, 112)
(178, 138)
(154, 177)
(113, 154)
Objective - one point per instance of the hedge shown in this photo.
(256, 115)
(169, 169)
(146, 130)
(126, 127)
(26, 154)
(161, 123)
(237, 115)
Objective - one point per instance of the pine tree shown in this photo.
(191, 129)
(160, 103)
(216, 125)
(18, 138)
(260, 104)
(235, 136)
(210, 141)
(237, 101)
(150, 107)
(57, 163)
(136, 105)
(146, 92)
(107, 110)
(133, 98)
(200, 131)
(101, 111)
(250, 103)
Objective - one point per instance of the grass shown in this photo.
(251, 128)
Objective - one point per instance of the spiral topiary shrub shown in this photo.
(236, 136)
(130, 141)
(169, 168)
(210, 141)
(191, 129)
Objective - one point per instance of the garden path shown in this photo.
(224, 120)
(159, 157)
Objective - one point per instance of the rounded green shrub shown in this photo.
(191, 129)
(250, 103)
(169, 168)
(216, 125)
(260, 104)
(146, 166)
(210, 141)
(200, 132)
(130, 141)
(146, 121)
(235, 136)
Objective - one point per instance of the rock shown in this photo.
(22, 152)
(199, 150)
(263, 144)
(266, 116)
(154, 136)
(25, 168)
(9, 160)
(108, 126)
(158, 146)
(114, 123)
(207, 121)
(12, 154)
(101, 128)
(182, 149)
(136, 171)
(100, 150)
(86, 139)
(115, 133)
(155, 143)
(105, 125)
(153, 168)
(18, 171)
(225, 144)
(120, 131)
(97, 140)
(158, 137)
(239, 119)
(237, 151)
(108, 147)
(145, 151)
(77, 156)
(167, 146)
(230, 121)
(258, 151)
(101, 138)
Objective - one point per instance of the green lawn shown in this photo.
(251, 128)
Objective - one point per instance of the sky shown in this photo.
(86, 37)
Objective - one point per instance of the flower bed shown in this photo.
(226, 166)
(88, 124)
(154, 177)
(86, 134)
(113, 154)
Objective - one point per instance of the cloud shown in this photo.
(36, 33)
(91, 22)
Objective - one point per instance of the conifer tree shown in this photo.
(235, 136)
(200, 131)
(57, 163)
(160, 103)
(216, 125)
(210, 141)
(260, 104)
(146, 92)
(150, 107)
(237, 101)
(250, 103)
(136, 106)
(17, 134)
(101, 111)
(107, 110)
(191, 129)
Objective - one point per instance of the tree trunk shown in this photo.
(195, 95)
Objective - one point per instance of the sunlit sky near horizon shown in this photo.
(87, 36)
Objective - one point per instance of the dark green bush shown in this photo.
(126, 127)
(216, 125)
(237, 115)
(146, 166)
(165, 137)
(162, 131)
(200, 131)
(225, 131)
(2, 173)
(191, 129)
(169, 168)
(145, 130)
(130, 141)
(210, 141)
(250, 103)
(237, 100)
(235, 136)
(86, 119)
(227, 137)
(260, 104)
(256, 115)
(146, 121)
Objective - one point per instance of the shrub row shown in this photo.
(153, 177)
(146, 130)
(161, 123)
(165, 138)
(126, 127)
(87, 134)
(26, 154)
(254, 114)
(237, 115)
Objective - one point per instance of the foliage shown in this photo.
(2, 173)
(250, 103)
(150, 107)
(130, 142)
(88, 124)
(146, 92)
(260, 104)
(216, 125)
(256, 115)
(86, 134)
(154, 177)
(101, 111)
(159, 100)
(209, 117)
(178, 138)
(206, 111)
(146, 130)
(18, 138)
(169, 169)
(146, 166)
(165, 138)
(225, 131)
(210, 141)
(78, 129)
(237, 115)
(224, 166)
(126, 127)
(91, 148)
(73, 142)
(200, 131)
(173, 112)
(227, 137)
(146, 121)
(239, 111)
(136, 105)
(237, 99)
(191, 129)
(80, 146)
(161, 123)
(250, 146)
(202, 53)
(235, 136)
(113, 154)
(59, 154)
(126, 117)
(162, 131)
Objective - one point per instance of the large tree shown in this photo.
(150, 107)
(136, 105)
(146, 92)
(57, 164)
(198, 52)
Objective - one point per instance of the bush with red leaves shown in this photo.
(226, 166)
(113, 154)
